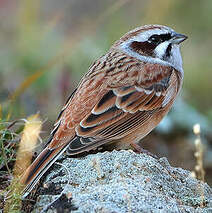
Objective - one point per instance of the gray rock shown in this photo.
(122, 181)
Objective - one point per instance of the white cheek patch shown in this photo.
(160, 50)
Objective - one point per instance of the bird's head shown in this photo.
(153, 44)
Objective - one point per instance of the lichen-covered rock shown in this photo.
(121, 181)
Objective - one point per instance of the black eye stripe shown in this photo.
(159, 38)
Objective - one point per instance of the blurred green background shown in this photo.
(46, 47)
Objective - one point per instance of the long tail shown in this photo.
(41, 164)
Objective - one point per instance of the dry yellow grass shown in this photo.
(23, 160)
(199, 171)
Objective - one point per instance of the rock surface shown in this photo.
(121, 181)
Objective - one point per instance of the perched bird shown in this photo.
(122, 97)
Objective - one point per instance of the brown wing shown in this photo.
(120, 110)
(111, 101)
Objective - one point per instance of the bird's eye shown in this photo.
(155, 39)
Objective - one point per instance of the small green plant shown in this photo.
(8, 144)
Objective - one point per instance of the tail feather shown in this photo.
(41, 164)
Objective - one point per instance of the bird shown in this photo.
(123, 97)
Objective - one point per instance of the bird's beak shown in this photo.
(177, 38)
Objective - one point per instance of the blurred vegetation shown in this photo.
(46, 46)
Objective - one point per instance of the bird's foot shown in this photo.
(139, 149)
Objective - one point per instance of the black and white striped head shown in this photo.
(153, 44)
